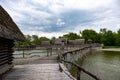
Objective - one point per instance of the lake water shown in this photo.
(104, 64)
(31, 53)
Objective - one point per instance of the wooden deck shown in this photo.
(42, 69)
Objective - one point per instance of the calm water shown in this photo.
(31, 53)
(106, 65)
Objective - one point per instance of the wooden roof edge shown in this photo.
(10, 31)
(8, 34)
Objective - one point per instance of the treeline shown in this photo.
(107, 37)
(104, 36)
(31, 40)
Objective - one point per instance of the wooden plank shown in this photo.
(5, 68)
(3, 62)
(6, 58)
(37, 72)
(9, 53)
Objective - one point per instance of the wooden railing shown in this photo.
(61, 57)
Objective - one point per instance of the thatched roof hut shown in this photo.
(8, 29)
(60, 41)
(45, 43)
(9, 32)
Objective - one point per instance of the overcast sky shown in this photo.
(56, 17)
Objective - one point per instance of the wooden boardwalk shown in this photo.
(42, 69)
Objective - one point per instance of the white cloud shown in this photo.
(63, 5)
(37, 15)
(46, 34)
(60, 22)
(58, 6)
(43, 3)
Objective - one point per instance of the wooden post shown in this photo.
(51, 51)
(23, 53)
(47, 52)
(0, 76)
(78, 74)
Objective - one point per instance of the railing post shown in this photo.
(23, 53)
(51, 51)
(78, 74)
(1, 77)
(47, 52)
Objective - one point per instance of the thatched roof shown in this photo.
(8, 28)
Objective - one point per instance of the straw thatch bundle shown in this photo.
(8, 29)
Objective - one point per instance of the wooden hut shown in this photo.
(60, 41)
(9, 32)
(45, 43)
(79, 41)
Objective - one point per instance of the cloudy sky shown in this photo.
(56, 17)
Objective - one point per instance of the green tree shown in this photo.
(35, 40)
(118, 38)
(110, 39)
(43, 39)
(90, 34)
(52, 40)
(107, 37)
(71, 36)
(28, 40)
(103, 30)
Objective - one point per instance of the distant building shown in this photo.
(89, 41)
(9, 32)
(76, 42)
(60, 41)
(71, 42)
(79, 41)
(45, 43)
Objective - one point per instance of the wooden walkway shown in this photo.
(42, 69)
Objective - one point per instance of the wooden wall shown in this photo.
(6, 56)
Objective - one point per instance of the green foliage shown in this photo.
(35, 40)
(52, 40)
(118, 38)
(107, 37)
(90, 34)
(71, 36)
(31, 40)
(43, 39)
(110, 40)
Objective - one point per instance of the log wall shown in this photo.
(6, 56)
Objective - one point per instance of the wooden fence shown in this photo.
(68, 56)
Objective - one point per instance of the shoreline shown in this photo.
(111, 49)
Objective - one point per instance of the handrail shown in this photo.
(60, 58)
(82, 69)
(75, 50)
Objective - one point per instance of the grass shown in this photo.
(106, 47)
